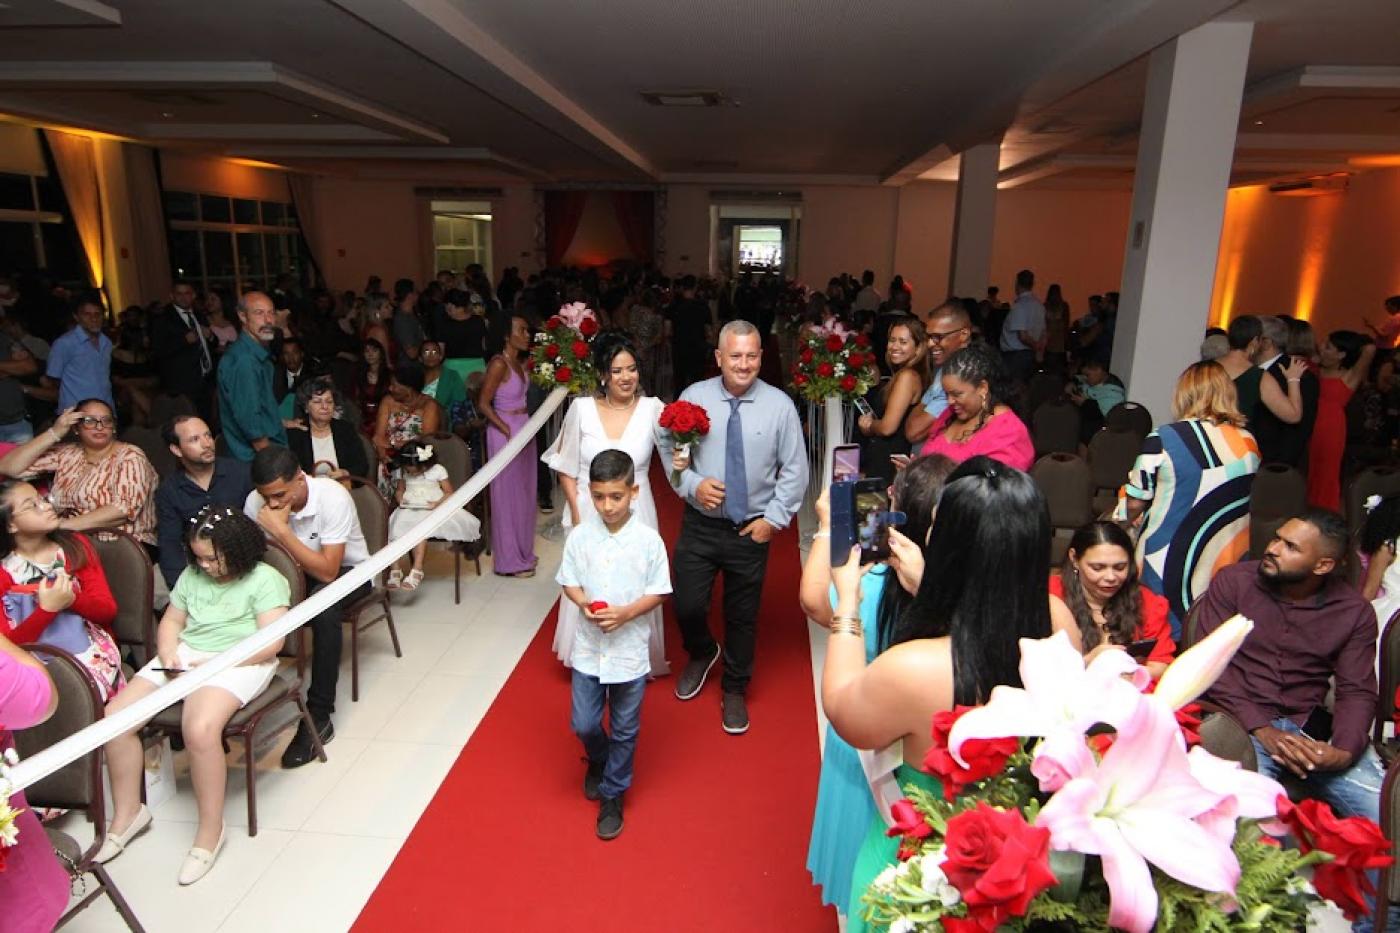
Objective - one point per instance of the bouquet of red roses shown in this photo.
(686, 422)
(834, 361)
(561, 355)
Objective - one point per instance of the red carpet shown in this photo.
(716, 825)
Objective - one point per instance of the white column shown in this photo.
(974, 221)
(1185, 150)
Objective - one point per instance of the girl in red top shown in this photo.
(52, 587)
(1099, 584)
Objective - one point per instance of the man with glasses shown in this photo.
(80, 362)
(949, 330)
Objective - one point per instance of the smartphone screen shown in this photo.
(845, 463)
(872, 511)
(864, 408)
(1142, 650)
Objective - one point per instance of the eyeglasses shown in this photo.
(90, 422)
(934, 337)
(34, 505)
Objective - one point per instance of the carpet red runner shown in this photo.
(716, 825)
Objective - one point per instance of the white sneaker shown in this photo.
(199, 861)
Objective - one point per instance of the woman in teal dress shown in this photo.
(844, 804)
(988, 557)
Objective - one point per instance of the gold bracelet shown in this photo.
(847, 625)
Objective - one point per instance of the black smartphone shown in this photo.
(1142, 650)
(845, 463)
(170, 670)
(842, 501)
(873, 519)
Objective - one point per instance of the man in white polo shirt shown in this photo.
(315, 519)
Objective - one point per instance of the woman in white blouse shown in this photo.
(618, 417)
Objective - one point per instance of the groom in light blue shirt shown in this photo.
(741, 483)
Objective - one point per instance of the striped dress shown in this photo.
(1197, 476)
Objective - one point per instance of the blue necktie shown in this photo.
(736, 480)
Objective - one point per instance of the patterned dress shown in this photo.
(404, 425)
(1197, 477)
(124, 478)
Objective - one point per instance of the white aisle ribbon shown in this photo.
(37, 767)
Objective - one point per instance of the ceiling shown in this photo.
(810, 90)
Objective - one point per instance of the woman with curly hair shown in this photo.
(225, 595)
(1099, 584)
(979, 421)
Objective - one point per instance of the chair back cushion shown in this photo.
(149, 442)
(164, 407)
(1068, 488)
(1043, 388)
(371, 455)
(1223, 736)
(77, 785)
(1111, 455)
(130, 576)
(1131, 417)
(280, 559)
(373, 510)
(1383, 481)
(1055, 428)
(1389, 672)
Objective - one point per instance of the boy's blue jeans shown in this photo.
(1353, 792)
(615, 750)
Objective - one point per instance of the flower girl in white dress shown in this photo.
(421, 486)
(621, 418)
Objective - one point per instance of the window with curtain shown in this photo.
(237, 243)
(32, 231)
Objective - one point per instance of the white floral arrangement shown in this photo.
(9, 816)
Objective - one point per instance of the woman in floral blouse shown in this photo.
(99, 482)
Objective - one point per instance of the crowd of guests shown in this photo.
(310, 394)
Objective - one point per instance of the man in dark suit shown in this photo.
(293, 368)
(181, 351)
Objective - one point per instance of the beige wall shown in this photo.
(687, 229)
(1332, 259)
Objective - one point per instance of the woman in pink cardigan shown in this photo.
(33, 886)
(978, 421)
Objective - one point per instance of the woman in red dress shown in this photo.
(1346, 358)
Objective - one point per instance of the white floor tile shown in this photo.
(285, 798)
(319, 883)
(422, 646)
(381, 695)
(385, 793)
(146, 873)
(444, 709)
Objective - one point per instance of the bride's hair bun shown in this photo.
(609, 344)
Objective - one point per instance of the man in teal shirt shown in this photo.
(247, 408)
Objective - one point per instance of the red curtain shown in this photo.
(562, 212)
(635, 216)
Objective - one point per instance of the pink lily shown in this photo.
(1139, 805)
(1247, 794)
(573, 313)
(1196, 668)
(1060, 699)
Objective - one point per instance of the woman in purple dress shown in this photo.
(513, 491)
(33, 886)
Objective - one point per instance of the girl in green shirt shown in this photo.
(225, 594)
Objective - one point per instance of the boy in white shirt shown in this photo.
(615, 570)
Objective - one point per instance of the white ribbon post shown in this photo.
(56, 756)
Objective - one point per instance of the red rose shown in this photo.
(862, 340)
(1356, 845)
(799, 380)
(910, 825)
(826, 370)
(580, 349)
(563, 374)
(984, 757)
(855, 360)
(588, 327)
(834, 343)
(553, 324)
(597, 605)
(848, 383)
(551, 352)
(806, 355)
(997, 862)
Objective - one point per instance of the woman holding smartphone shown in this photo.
(1099, 584)
(881, 423)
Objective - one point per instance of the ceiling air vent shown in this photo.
(685, 98)
(1312, 187)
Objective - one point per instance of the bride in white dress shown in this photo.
(1378, 540)
(619, 418)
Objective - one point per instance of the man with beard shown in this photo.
(1309, 627)
(247, 407)
(202, 479)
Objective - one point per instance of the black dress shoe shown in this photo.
(610, 818)
(302, 749)
(692, 679)
(592, 779)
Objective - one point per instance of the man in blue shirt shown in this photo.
(80, 362)
(741, 483)
(1023, 334)
(949, 329)
(247, 407)
(202, 479)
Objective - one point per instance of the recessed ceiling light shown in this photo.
(685, 98)
(315, 116)
(167, 114)
(1258, 122)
